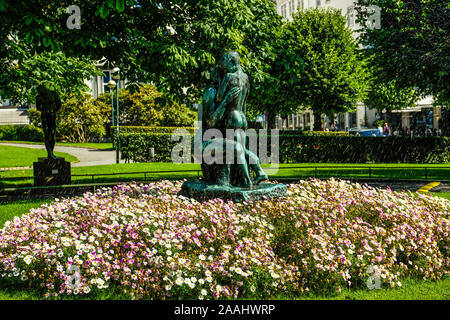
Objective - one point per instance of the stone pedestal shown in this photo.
(51, 172)
(201, 191)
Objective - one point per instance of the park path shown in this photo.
(87, 156)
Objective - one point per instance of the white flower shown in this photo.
(203, 292)
(202, 257)
(168, 287)
(179, 281)
(169, 253)
(28, 259)
(201, 281)
(209, 279)
(274, 275)
(218, 288)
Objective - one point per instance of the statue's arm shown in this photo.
(57, 102)
(39, 103)
(222, 88)
(217, 115)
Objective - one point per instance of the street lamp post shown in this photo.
(111, 86)
(116, 76)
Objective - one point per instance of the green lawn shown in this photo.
(445, 195)
(410, 290)
(10, 210)
(24, 157)
(324, 170)
(101, 146)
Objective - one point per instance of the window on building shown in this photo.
(291, 8)
(318, 3)
(300, 5)
(350, 16)
(106, 78)
(283, 11)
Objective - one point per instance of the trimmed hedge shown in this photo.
(137, 146)
(144, 129)
(21, 133)
(320, 133)
(298, 149)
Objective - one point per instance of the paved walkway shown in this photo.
(412, 186)
(87, 156)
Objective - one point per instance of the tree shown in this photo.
(322, 68)
(412, 44)
(171, 43)
(148, 107)
(390, 96)
(60, 73)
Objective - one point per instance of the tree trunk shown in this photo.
(317, 121)
(389, 117)
(271, 120)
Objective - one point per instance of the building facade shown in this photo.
(423, 118)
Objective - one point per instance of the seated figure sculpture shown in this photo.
(224, 106)
(228, 91)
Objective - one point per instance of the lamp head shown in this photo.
(115, 73)
(111, 84)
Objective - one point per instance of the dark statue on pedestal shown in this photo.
(48, 103)
(51, 170)
(224, 108)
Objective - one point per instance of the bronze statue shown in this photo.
(48, 103)
(224, 106)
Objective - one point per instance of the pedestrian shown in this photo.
(385, 129)
(380, 129)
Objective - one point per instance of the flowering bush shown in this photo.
(147, 242)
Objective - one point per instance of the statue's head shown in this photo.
(230, 61)
(42, 89)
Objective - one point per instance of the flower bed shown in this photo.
(147, 242)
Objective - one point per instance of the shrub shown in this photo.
(146, 129)
(137, 146)
(298, 148)
(21, 133)
(80, 119)
(148, 107)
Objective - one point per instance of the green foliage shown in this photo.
(390, 96)
(173, 44)
(79, 119)
(412, 44)
(144, 129)
(297, 149)
(322, 67)
(148, 107)
(136, 146)
(318, 133)
(322, 147)
(21, 133)
(56, 71)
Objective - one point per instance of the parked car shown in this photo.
(365, 132)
